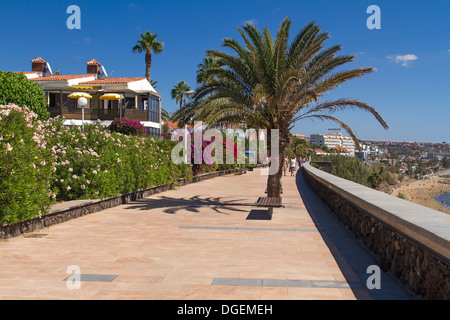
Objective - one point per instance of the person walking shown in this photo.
(285, 165)
(293, 164)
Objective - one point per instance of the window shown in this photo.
(67, 102)
(129, 102)
(154, 109)
(54, 100)
(154, 132)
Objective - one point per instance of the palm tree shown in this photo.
(180, 92)
(186, 115)
(165, 115)
(202, 73)
(154, 84)
(270, 83)
(149, 45)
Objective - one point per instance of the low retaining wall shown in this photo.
(66, 211)
(412, 242)
(326, 165)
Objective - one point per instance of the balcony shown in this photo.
(99, 114)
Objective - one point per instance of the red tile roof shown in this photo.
(61, 77)
(339, 148)
(93, 62)
(25, 72)
(175, 125)
(39, 59)
(112, 80)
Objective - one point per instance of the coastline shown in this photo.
(424, 191)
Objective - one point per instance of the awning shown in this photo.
(111, 96)
(85, 87)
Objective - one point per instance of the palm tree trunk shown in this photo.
(274, 180)
(148, 65)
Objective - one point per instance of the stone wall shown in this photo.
(78, 208)
(326, 165)
(410, 241)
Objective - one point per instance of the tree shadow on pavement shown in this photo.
(172, 205)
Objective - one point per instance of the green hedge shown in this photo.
(16, 88)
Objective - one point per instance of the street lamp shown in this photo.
(82, 102)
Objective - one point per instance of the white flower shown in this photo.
(68, 188)
(83, 187)
(8, 147)
(70, 170)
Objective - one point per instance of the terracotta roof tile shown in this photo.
(93, 62)
(112, 80)
(39, 59)
(25, 72)
(175, 125)
(61, 77)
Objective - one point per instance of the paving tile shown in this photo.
(193, 242)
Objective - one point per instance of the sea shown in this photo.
(443, 199)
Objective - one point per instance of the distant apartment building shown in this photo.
(364, 156)
(137, 100)
(334, 140)
(439, 156)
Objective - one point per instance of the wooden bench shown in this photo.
(281, 191)
(270, 203)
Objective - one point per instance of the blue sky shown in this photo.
(411, 51)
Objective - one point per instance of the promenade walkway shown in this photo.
(201, 241)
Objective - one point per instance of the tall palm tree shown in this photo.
(202, 73)
(180, 92)
(149, 45)
(270, 83)
(186, 115)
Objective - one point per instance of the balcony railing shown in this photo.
(99, 114)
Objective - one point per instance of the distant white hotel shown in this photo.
(334, 140)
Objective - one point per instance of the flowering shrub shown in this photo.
(209, 161)
(208, 164)
(26, 165)
(42, 162)
(128, 127)
(98, 163)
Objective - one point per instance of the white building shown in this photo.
(139, 100)
(334, 140)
